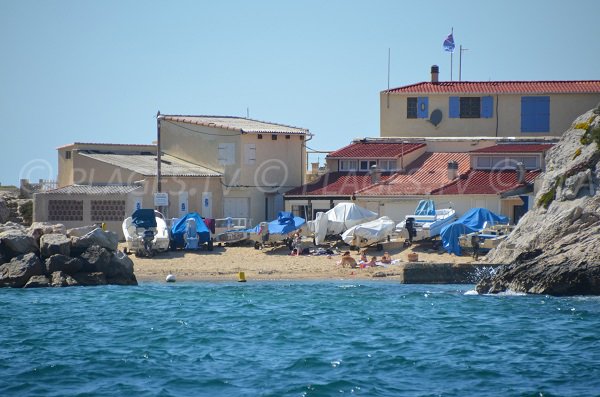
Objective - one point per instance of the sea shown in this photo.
(300, 338)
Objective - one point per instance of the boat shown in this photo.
(426, 223)
(277, 231)
(231, 230)
(370, 233)
(491, 229)
(190, 232)
(146, 232)
(337, 220)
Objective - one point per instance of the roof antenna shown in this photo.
(247, 112)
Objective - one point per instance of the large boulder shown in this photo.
(119, 270)
(12, 226)
(95, 259)
(52, 244)
(48, 228)
(16, 242)
(4, 211)
(63, 263)
(81, 231)
(99, 237)
(90, 279)
(37, 282)
(555, 248)
(62, 279)
(19, 270)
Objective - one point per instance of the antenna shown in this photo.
(388, 89)
(247, 112)
(460, 61)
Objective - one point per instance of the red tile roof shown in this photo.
(377, 150)
(427, 173)
(336, 184)
(486, 182)
(502, 87)
(516, 148)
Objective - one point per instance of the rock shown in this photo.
(555, 247)
(37, 282)
(105, 239)
(95, 259)
(48, 228)
(15, 242)
(119, 270)
(52, 244)
(61, 279)
(65, 264)
(4, 211)
(19, 270)
(81, 231)
(90, 279)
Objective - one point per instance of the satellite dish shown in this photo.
(436, 117)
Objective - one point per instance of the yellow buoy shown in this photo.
(241, 277)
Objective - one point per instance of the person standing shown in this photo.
(475, 245)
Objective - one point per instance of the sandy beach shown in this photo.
(225, 262)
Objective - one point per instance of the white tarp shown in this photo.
(339, 219)
(370, 232)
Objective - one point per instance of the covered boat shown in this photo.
(426, 223)
(231, 230)
(370, 233)
(476, 220)
(187, 229)
(146, 232)
(278, 230)
(338, 219)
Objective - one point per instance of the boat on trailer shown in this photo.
(426, 223)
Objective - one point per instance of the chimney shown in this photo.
(520, 168)
(452, 170)
(435, 72)
(314, 168)
(375, 174)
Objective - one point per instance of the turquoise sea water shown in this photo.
(296, 339)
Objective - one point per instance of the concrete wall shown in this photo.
(506, 120)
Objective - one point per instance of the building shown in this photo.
(518, 109)
(216, 166)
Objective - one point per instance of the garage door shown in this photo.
(236, 207)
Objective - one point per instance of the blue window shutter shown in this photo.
(543, 114)
(535, 114)
(454, 112)
(527, 114)
(422, 107)
(487, 107)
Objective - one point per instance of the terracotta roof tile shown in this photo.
(501, 87)
(377, 150)
(336, 184)
(427, 173)
(515, 148)
(486, 182)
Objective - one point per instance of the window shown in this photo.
(249, 154)
(411, 108)
(226, 153)
(347, 165)
(287, 137)
(535, 114)
(417, 108)
(274, 137)
(259, 136)
(68, 154)
(470, 107)
(365, 165)
(387, 165)
(483, 162)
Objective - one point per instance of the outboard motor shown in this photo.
(148, 239)
(410, 228)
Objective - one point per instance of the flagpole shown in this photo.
(451, 52)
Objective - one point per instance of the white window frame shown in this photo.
(368, 164)
(348, 165)
(387, 165)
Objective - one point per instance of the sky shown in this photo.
(98, 71)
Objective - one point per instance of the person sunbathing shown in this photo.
(386, 258)
(371, 263)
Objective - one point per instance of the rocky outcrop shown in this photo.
(44, 256)
(555, 248)
(4, 211)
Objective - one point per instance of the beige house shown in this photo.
(216, 166)
(517, 109)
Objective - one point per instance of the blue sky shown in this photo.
(98, 71)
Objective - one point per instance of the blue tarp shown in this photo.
(285, 223)
(144, 218)
(425, 207)
(470, 222)
(179, 229)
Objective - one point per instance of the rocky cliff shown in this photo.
(555, 248)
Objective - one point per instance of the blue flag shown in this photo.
(449, 43)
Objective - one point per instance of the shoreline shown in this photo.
(224, 264)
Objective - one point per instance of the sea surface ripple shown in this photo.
(296, 339)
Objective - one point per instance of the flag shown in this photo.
(449, 43)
